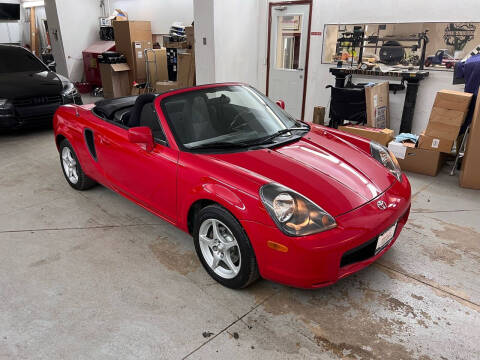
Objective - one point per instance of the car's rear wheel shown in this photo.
(224, 248)
(72, 170)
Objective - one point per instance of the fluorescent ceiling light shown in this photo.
(29, 4)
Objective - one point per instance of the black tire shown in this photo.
(248, 272)
(83, 182)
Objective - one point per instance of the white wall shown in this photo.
(11, 31)
(204, 53)
(326, 12)
(77, 23)
(230, 29)
(162, 13)
(236, 40)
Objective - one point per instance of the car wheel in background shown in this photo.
(224, 248)
(71, 168)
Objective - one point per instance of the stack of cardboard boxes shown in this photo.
(134, 40)
(428, 155)
(185, 64)
(448, 114)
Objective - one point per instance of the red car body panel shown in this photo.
(332, 168)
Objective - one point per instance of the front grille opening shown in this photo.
(360, 253)
(38, 100)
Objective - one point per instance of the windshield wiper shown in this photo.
(261, 141)
(219, 145)
(269, 138)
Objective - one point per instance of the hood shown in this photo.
(333, 173)
(27, 84)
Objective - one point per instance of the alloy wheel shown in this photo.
(69, 165)
(219, 248)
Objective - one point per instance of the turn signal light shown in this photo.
(276, 246)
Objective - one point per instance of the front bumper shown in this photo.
(316, 260)
(30, 115)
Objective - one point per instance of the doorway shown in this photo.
(287, 57)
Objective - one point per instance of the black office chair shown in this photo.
(347, 103)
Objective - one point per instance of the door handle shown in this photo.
(300, 69)
(104, 141)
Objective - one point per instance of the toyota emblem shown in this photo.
(382, 205)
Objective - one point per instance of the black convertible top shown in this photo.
(108, 107)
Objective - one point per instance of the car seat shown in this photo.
(136, 113)
(196, 123)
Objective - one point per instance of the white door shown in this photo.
(288, 54)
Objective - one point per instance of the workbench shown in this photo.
(411, 77)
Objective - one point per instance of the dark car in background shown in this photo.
(30, 92)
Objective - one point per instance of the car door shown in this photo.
(150, 178)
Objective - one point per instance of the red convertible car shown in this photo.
(262, 193)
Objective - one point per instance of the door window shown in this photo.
(289, 36)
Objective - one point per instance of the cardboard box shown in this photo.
(382, 136)
(378, 110)
(453, 100)
(445, 123)
(319, 115)
(127, 32)
(190, 34)
(139, 63)
(448, 114)
(164, 86)
(157, 65)
(470, 171)
(417, 160)
(115, 80)
(185, 69)
(435, 144)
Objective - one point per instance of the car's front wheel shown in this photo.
(224, 248)
(71, 168)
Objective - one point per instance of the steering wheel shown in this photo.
(236, 124)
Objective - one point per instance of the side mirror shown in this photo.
(281, 103)
(141, 135)
(52, 67)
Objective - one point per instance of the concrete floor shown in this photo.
(89, 275)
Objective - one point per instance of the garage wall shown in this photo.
(364, 11)
(11, 31)
(76, 23)
(239, 41)
(204, 41)
(236, 40)
(230, 50)
(162, 13)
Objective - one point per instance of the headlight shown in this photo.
(3, 102)
(69, 89)
(293, 213)
(386, 158)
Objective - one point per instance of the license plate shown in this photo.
(385, 237)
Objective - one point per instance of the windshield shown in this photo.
(15, 59)
(226, 115)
